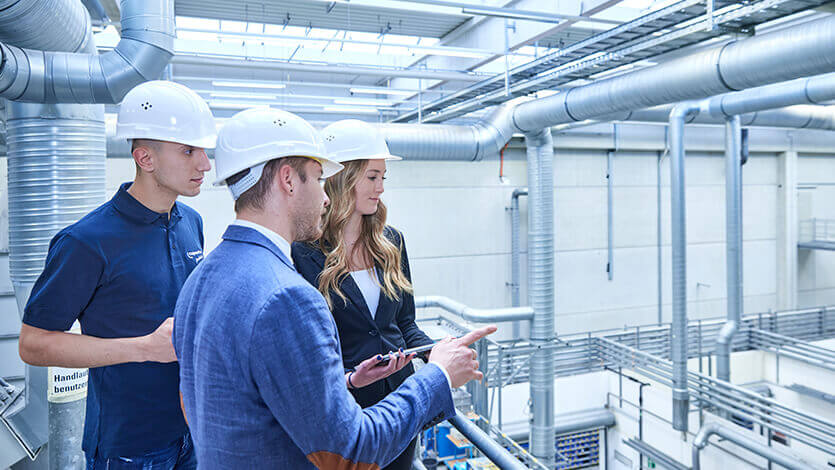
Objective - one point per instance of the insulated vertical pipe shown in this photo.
(733, 244)
(515, 254)
(681, 401)
(515, 247)
(56, 175)
(540, 153)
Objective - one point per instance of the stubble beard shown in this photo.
(309, 228)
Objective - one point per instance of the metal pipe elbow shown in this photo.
(727, 333)
(685, 110)
(146, 47)
(519, 192)
(475, 315)
(494, 131)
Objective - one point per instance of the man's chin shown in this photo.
(310, 236)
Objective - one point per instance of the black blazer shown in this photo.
(360, 336)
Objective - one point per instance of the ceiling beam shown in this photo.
(280, 65)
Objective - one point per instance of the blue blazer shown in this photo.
(392, 327)
(261, 371)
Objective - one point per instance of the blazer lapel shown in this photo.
(349, 288)
(384, 304)
(352, 291)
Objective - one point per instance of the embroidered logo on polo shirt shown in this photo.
(195, 255)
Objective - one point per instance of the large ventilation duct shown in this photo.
(801, 116)
(450, 142)
(24, 24)
(541, 290)
(800, 51)
(799, 99)
(61, 77)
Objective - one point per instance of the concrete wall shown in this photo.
(816, 193)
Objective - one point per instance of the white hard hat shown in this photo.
(255, 136)
(352, 139)
(168, 111)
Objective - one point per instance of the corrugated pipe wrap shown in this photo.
(61, 77)
(56, 175)
(540, 153)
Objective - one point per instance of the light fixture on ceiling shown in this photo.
(245, 96)
(362, 102)
(248, 84)
(351, 109)
(235, 105)
(382, 91)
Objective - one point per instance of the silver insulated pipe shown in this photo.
(56, 165)
(678, 223)
(540, 150)
(56, 175)
(733, 244)
(800, 51)
(516, 255)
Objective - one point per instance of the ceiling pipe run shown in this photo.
(800, 51)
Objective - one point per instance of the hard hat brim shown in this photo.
(329, 168)
(379, 156)
(207, 142)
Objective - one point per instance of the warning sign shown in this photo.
(66, 385)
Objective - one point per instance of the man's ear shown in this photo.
(285, 180)
(144, 158)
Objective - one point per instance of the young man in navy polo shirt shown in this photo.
(118, 271)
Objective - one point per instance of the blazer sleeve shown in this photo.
(413, 335)
(297, 366)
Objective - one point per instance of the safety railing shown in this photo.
(817, 230)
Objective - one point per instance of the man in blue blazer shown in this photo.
(260, 361)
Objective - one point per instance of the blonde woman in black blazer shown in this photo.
(361, 267)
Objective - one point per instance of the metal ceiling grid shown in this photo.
(330, 15)
(648, 36)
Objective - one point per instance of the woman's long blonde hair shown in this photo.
(372, 240)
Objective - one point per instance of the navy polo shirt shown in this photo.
(118, 271)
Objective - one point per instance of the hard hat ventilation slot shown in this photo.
(147, 105)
